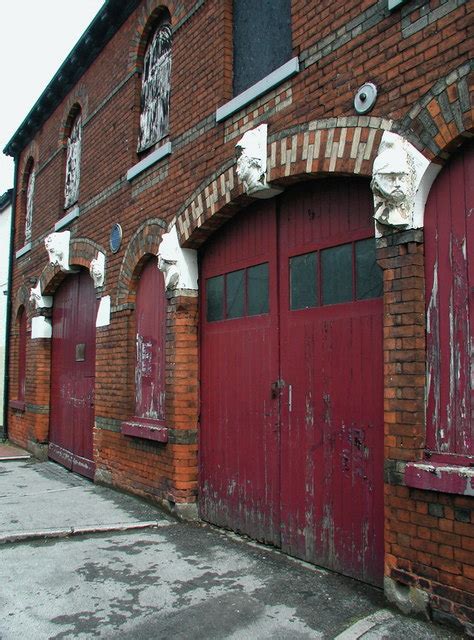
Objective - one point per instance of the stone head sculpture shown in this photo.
(251, 152)
(393, 183)
(57, 246)
(97, 270)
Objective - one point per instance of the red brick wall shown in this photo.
(417, 57)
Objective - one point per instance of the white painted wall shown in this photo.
(5, 219)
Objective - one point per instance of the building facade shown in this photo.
(5, 235)
(242, 283)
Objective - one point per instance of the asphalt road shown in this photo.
(144, 575)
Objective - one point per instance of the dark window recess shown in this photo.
(235, 294)
(368, 273)
(262, 39)
(238, 294)
(336, 274)
(257, 290)
(340, 267)
(215, 298)
(304, 281)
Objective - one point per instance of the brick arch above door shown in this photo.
(81, 252)
(336, 146)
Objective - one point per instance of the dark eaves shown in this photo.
(102, 29)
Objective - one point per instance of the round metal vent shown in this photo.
(115, 238)
(365, 97)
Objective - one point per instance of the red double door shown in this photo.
(73, 374)
(291, 440)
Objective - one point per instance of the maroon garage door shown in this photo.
(73, 374)
(292, 377)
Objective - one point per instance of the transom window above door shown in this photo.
(238, 293)
(338, 274)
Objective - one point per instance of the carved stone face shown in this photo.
(54, 252)
(393, 186)
(250, 171)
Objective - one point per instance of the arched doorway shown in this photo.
(291, 442)
(73, 374)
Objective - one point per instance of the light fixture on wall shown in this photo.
(365, 98)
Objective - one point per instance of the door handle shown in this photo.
(276, 388)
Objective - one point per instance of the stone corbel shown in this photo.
(57, 246)
(41, 327)
(179, 266)
(40, 301)
(97, 270)
(251, 153)
(399, 184)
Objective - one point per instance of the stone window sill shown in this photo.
(394, 4)
(264, 85)
(67, 219)
(24, 250)
(17, 405)
(436, 476)
(150, 160)
(145, 428)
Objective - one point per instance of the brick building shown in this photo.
(294, 370)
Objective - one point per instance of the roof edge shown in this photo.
(100, 31)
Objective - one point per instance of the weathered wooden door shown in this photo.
(332, 365)
(73, 374)
(292, 379)
(239, 439)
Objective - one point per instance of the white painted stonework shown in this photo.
(97, 270)
(179, 266)
(37, 298)
(103, 313)
(156, 87)
(73, 164)
(41, 327)
(57, 246)
(30, 190)
(251, 152)
(397, 174)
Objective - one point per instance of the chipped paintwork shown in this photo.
(440, 477)
(450, 366)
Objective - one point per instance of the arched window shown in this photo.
(29, 197)
(73, 162)
(156, 86)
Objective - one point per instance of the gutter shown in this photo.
(6, 388)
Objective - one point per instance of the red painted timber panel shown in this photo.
(449, 241)
(332, 364)
(302, 467)
(73, 374)
(150, 345)
(239, 479)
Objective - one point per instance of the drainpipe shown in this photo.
(6, 389)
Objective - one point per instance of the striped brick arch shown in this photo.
(81, 252)
(144, 243)
(21, 299)
(345, 145)
(439, 121)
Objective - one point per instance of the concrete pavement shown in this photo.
(145, 575)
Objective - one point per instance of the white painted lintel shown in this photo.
(151, 159)
(67, 219)
(273, 79)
